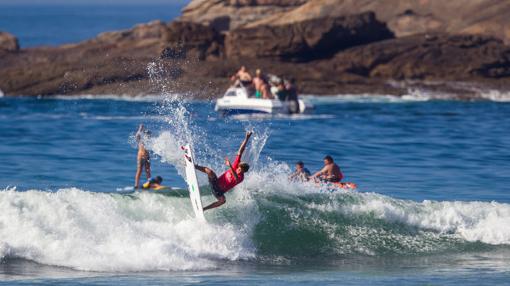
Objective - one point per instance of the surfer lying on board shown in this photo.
(153, 183)
(330, 172)
(233, 176)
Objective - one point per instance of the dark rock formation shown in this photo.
(307, 40)
(427, 57)
(329, 46)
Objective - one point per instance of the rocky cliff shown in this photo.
(328, 46)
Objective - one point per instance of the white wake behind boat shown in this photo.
(237, 101)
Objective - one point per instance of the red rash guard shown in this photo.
(227, 181)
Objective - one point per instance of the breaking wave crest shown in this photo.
(267, 219)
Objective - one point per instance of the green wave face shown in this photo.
(345, 224)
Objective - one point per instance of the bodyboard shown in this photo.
(191, 179)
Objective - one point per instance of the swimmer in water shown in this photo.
(143, 157)
(301, 174)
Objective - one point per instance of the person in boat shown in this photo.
(281, 92)
(262, 86)
(153, 183)
(301, 173)
(242, 77)
(292, 97)
(258, 82)
(143, 157)
(230, 178)
(330, 172)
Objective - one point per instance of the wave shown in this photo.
(110, 232)
(496, 95)
(413, 95)
(266, 219)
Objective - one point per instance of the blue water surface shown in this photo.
(55, 24)
(439, 150)
(435, 150)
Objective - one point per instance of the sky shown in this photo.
(95, 2)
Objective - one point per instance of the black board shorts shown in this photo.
(216, 190)
(331, 180)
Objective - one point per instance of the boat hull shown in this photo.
(236, 101)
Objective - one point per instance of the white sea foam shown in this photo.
(147, 232)
(102, 232)
(496, 95)
(487, 222)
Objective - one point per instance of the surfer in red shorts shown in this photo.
(233, 176)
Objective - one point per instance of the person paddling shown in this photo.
(230, 178)
(301, 174)
(330, 172)
(153, 183)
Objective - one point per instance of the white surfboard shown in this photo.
(191, 179)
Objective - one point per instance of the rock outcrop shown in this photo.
(8, 42)
(307, 40)
(404, 17)
(329, 46)
(224, 15)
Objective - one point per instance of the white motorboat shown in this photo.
(237, 101)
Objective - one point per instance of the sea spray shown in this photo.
(266, 219)
(111, 232)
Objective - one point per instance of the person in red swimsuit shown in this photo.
(228, 180)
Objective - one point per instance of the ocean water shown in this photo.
(55, 24)
(432, 206)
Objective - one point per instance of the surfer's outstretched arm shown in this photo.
(245, 141)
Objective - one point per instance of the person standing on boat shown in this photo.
(292, 97)
(242, 77)
(330, 172)
(258, 82)
(281, 91)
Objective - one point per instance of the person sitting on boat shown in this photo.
(330, 172)
(242, 77)
(301, 174)
(153, 183)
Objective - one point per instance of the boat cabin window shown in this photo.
(231, 93)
